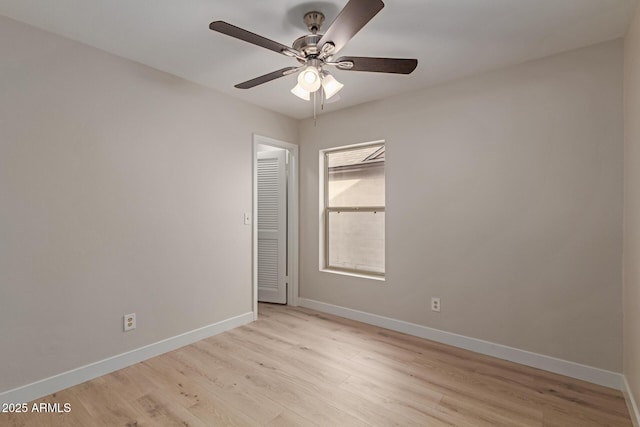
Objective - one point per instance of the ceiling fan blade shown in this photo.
(377, 65)
(247, 36)
(267, 78)
(349, 21)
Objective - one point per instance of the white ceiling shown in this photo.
(450, 38)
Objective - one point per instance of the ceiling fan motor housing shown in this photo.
(308, 44)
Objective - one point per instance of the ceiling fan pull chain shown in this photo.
(315, 122)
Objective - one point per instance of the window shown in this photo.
(354, 216)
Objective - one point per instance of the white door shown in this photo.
(272, 226)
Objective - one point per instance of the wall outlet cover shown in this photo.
(129, 322)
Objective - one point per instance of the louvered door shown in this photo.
(272, 227)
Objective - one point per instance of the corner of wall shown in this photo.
(629, 399)
(631, 278)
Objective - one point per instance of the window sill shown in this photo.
(359, 275)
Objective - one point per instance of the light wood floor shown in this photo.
(297, 367)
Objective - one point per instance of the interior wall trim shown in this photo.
(629, 398)
(548, 363)
(88, 372)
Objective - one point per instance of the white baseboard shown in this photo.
(523, 357)
(88, 372)
(631, 404)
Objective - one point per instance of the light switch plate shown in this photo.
(247, 218)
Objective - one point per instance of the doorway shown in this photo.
(275, 225)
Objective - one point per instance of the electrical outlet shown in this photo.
(435, 304)
(129, 322)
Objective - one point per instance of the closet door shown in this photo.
(272, 227)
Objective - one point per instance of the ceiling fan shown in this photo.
(315, 51)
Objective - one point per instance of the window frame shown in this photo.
(326, 210)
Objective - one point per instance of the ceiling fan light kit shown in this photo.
(315, 51)
(310, 80)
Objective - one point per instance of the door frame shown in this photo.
(292, 223)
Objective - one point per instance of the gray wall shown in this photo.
(504, 198)
(632, 208)
(122, 189)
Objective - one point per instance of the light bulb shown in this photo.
(309, 79)
(309, 76)
(330, 85)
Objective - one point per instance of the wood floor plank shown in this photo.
(283, 383)
(290, 419)
(299, 367)
(415, 409)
